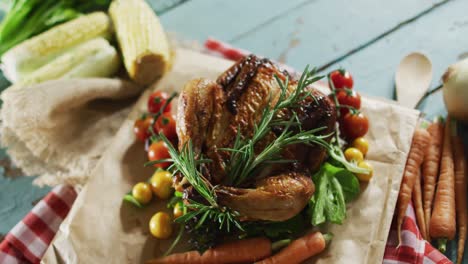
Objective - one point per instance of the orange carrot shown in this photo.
(421, 140)
(418, 207)
(460, 191)
(430, 168)
(442, 225)
(300, 249)
(241, 251)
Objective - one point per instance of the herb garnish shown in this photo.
(184, 162)
(334, 188)
(244, 162)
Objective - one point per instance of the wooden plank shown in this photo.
(16, 194)
(162, 6)
(440, 35)
(197, 20)
(323, 30)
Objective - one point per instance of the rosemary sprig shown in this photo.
(225, 217)
(244, 162)
(186, 163)
(175, 242)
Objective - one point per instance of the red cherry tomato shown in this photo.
(354, 125)
(348, 98)
(140, 128)
(342, 79)
(166, 125)
(157, 151)
(156, 101)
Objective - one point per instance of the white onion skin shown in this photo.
(455, 90)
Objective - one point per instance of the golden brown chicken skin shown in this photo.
(210, 114)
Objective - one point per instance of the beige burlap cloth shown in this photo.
(59, 129)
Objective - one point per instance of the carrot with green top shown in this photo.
(460, 191)
(442, 226)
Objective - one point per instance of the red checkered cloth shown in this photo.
(413, 248)
(29, 239)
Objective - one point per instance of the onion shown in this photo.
(455, 90)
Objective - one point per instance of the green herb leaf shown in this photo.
(173, 201)
(129, 198)
(349, 184)
(337, 154)
(334, 187)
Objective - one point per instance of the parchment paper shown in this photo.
(102, 229)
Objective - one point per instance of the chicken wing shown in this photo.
(276, 198)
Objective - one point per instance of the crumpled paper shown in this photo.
(59, 129)
(101, 228)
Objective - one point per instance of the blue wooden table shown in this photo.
(367, 37)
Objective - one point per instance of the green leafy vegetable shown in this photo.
(176, 199)
(27, 18)
(349, 184)
(129, 198)
(335, 186)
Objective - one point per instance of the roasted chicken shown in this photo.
(211, 113)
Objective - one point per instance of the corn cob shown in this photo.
(94, 58)
(32, 54)
(142, 40)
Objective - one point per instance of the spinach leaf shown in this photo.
(129, 198)
(349, 183)
(334, 187)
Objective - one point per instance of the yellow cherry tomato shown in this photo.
(362, 176)
(362, 144)
(160, 225)
(353, 154)
(142, 192)
(177, 211)
(161, 184)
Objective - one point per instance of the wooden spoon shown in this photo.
(412, 78)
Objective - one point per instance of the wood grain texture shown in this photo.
(162, 6)
(324, 30)
(199, 19)
(16, 194)
(306, 31)
(440, 35)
